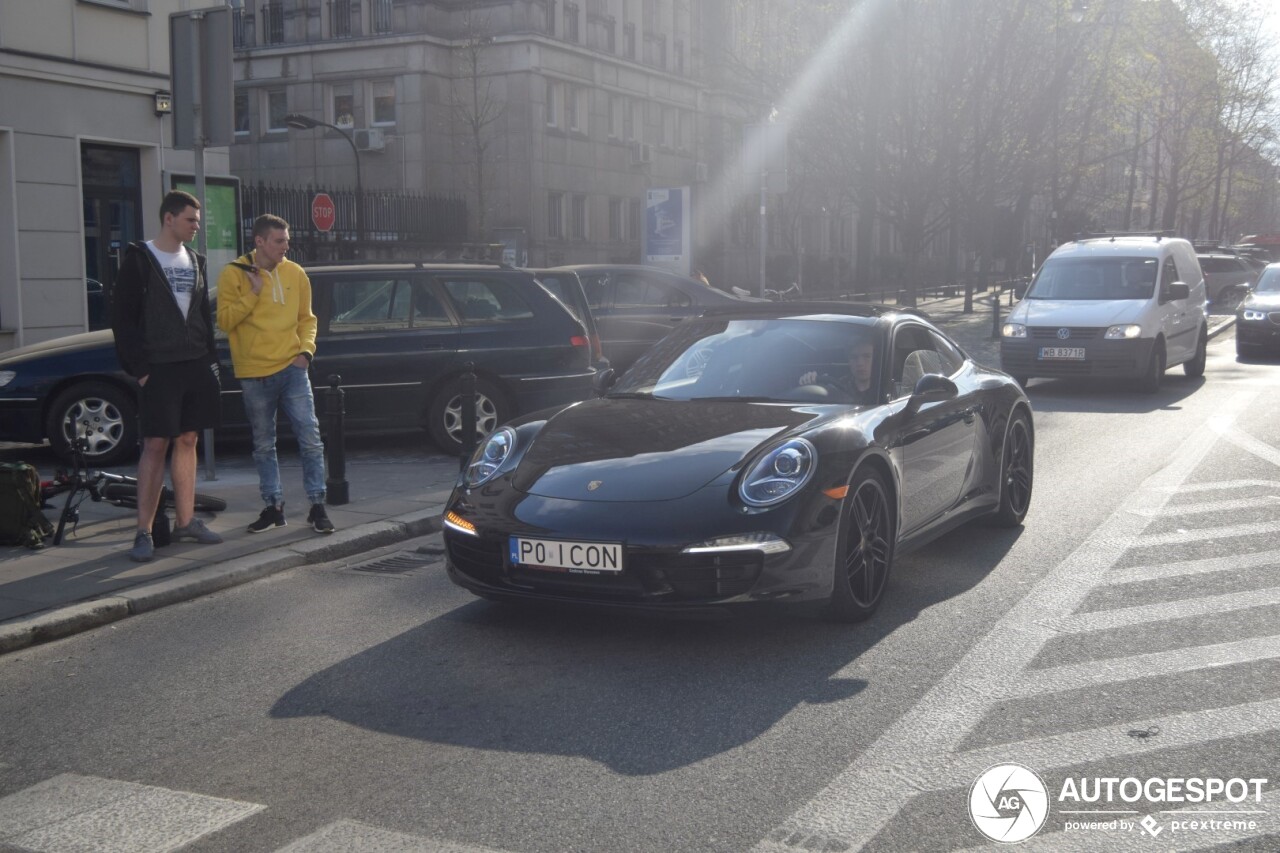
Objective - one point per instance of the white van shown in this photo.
(1127, 306)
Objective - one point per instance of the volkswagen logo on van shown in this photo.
(1063, 334)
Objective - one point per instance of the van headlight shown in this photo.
(1013, 330)
(489, 460)
(779, 474)
(1123, 333)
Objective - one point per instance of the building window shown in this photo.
(571, 22)
(668, 127)
(382, 20)
(555, 216)
(384, 101)
(635, 215)
(578, 217)
(242, 112)
(615, 219)
(679, 51)
(683, 124)
(553, 104)
(611, 35)
(571, 108)
(273, 22)
(629, 119)
(617, 105)
(343, 106)
(277, 109)
(340, 18)
(629, 40)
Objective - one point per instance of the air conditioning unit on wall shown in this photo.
(370, 139)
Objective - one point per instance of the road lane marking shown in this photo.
(1077, 676)
(1244, 441)
(70, 812)
(1189, 488)
(1166, 611)
(346, 835)
(1205, 534)
(862, 799)
(1140, 574)
(1262, 502)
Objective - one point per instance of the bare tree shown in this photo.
(477, 109)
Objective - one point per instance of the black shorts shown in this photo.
(180, 397)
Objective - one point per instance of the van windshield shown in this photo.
(1095, 278)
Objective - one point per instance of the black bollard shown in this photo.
(335, 412)
(995, 314)
(467, 400)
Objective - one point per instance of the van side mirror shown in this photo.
(1178, 290)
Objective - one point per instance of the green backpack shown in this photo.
(21, 521)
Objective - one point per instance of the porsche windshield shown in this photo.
(812, 360)
(1095, 278)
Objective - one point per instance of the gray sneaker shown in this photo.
(196, 532)
(143, 550)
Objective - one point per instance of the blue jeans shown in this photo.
(290, 389)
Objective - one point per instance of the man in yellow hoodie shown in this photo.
(264, 306)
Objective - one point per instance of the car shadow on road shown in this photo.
(638, 695)
(1109, 396)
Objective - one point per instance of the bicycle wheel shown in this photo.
(126, 495)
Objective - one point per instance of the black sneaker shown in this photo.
(319, 519)
(272, 516)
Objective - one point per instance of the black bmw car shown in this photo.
(741, 460)
(1258, 316)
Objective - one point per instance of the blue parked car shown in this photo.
(399, 335)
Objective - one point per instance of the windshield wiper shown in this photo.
(630, 395)
(736, 399)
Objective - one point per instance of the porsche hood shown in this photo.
(648, 450)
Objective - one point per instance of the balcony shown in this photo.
(242, 30)
(273, 22)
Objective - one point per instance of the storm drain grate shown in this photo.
(405, 561)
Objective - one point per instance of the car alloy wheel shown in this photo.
(445, 418)
(1016, 473)
(862, 570)
(99, 413)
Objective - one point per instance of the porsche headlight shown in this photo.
(779, 474)
(1014, 330)
(489, 459)
(1250, 314)
(1121, 333)
(7, 376)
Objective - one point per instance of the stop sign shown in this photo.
(323, 212)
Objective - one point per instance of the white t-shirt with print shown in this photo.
(180, 272)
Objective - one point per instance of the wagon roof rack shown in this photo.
(1112, 235)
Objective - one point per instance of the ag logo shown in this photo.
(1008, 803)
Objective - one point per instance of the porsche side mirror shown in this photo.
(931, 388)
(604, 380)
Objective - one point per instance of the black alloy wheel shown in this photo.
(866, 553)
(1017, 472)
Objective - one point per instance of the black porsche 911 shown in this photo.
(759, 453)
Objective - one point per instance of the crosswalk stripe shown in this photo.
(1077, 676)
(1201, 534)
(1244, 441)
(70, 812)
(1263, 502)
(1220, 485)
(853, 808)
(346, 835)
(1123, 617)
(1139, 574)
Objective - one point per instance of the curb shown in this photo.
(85, 615)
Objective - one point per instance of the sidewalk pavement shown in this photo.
(396, 495)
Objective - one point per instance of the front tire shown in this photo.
(1017, 473)
(865, 552)
(1195, 367)
(105, 414)
(1150, 381)
(444, 418)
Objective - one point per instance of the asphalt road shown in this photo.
(1128, 630)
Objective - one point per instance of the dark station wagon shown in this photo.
(399, 335)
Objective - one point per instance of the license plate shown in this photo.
(556, 555)
(1062, 352)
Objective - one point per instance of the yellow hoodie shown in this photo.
(271, 328)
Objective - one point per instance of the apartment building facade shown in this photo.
(85, 145)
(551, 118)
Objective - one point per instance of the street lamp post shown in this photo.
(301, 122)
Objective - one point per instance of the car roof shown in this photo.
(1149, 245)
(404, 266)
(850, 311)
(618, 267)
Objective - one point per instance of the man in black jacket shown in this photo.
(164, 338)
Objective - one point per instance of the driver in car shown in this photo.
(858, 382)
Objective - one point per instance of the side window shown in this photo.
(559, 288)
(1168, 275)
(363, 305)
(950, 358)
(428, 310)
(480, 299)
(593, 285)
(640, 291)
